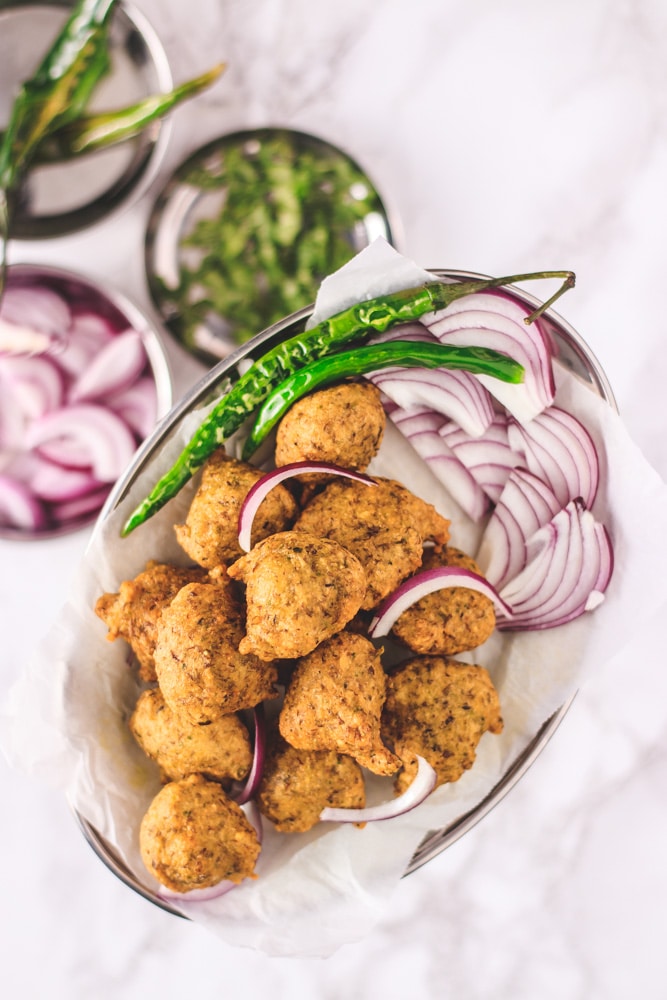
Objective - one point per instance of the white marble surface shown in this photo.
(507, 137)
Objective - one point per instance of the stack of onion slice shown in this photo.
(531, 469)
(71, 417)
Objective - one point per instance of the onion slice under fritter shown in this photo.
(419, 789)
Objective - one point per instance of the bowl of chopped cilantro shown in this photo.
(246, 228)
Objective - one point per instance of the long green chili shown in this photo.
(350, 326)
(96, 131)
(369, 358)
(47, 122)
(57, 93)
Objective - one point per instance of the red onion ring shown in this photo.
(419, 789)
(260, 490)
(248, 790)
(427, 582)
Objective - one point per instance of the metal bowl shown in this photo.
(58, 199)
(570, 350)
(85, 293)
(218, 186)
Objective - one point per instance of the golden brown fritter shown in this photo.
(438, 708)
(300, 589)
(194, 836)
(343, 424)
(220, 750)
(200, 670)
(132, 614)
(385, 526)
(450, 620)
(210, 533)
(298, 784)
(334, 702)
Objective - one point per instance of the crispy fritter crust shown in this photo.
(334, 702)
(343, 424)
(385, 526)
(194, 836)
(448, 621)
(300, 589)
(200, 670)
(440, 709)
(210, 533)
(133, 613)
(219, 750)
(298, 784)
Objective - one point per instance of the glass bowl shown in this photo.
(569, 349)
(102, 314)
(58, 199)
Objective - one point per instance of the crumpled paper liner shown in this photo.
(66, 717)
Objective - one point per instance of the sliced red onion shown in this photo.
(559, 449)
(419, 789)
(499, 329)
(35, 383)
(568, 569)
(89, 334)
(56, 484)
(252, 782)
(99, 433)
(259, 491)
(489, 458)
(421, 427)
(19, 508)
(196, 895)
(137, 405)
(78, 507)
(426, 582)
(114, 368)
(524, 506)
(33, 319)
(458, 395)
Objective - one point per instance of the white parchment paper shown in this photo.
(66, 717)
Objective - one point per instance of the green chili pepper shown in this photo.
(351, 325)
(359, 360)
(92, 132)
(60, 89)
(56, 94)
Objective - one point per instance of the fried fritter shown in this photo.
(334, 702)
(450, 620)
(440, 709)
(219, 750)
(298, 784)
(194, 836)
(300, 589)
(343, 424)
(210, 533)
(133, 613)
(385, 526)
(200, 670)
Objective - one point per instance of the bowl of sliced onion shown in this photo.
(83, 380)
